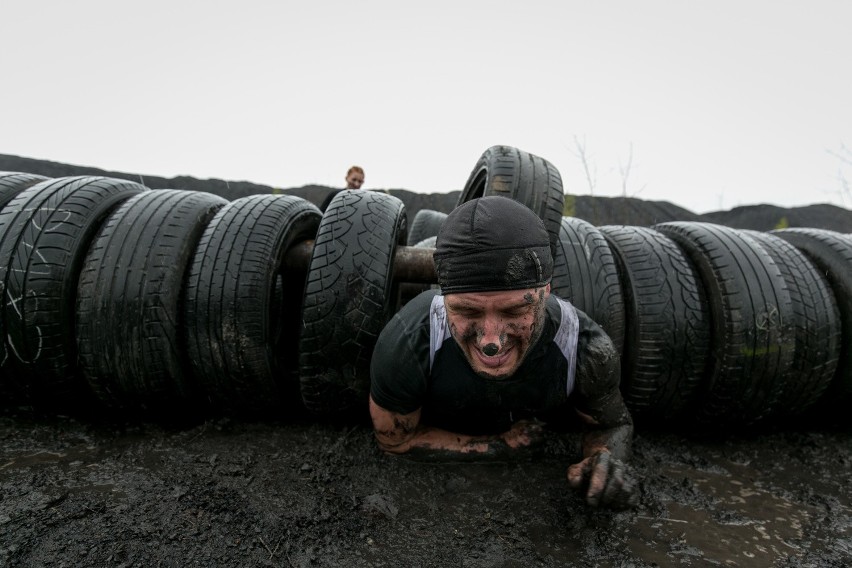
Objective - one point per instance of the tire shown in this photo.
(832, 255)
(586, 274)
(128, 315)
(45, 233)
(524, 177)
(241, 311)
(12, 183)
(349, 296)
(426, 224)
(667, 333)
(752, 329)
(817, 326)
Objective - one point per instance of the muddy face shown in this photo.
(495, 330)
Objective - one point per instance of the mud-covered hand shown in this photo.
(604, 480)
(523, 434)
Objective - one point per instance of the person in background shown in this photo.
(354, 180)
(469, 371)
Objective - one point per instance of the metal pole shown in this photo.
(410, 264)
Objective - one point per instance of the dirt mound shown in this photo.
(595, 210)
(769, 217)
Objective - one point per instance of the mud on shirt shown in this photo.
(417, 364)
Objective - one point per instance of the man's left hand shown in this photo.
(523, 434)
(605, 481)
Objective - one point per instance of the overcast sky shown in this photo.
(722, 103)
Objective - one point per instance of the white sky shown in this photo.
(724, 103)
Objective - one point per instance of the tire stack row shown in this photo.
(728, 327)
(716, 326)
(165, 301)
(174, 302)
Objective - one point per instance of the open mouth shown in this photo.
(493, 361)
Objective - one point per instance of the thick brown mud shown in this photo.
(227, 493)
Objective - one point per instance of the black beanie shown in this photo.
(492, 243)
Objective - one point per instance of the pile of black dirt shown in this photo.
(596, 210)
(770, 217)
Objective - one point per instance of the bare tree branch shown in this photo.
(845, 190)
(589, 169)
(624, 171)
(845, 157)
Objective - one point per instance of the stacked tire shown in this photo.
(830, 254)
(349, 295)
(666, 318)
(45, 233)
(242, 308)
(130, 289)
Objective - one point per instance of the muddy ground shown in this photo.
(230, 493)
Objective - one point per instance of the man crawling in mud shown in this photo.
(471, 371)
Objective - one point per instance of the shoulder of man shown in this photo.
(399, 368)
(598, 360)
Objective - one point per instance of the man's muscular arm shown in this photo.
(404, 434)
(608, 428)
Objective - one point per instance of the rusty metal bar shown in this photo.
(298, 257)
(413, 264)
(410, 264)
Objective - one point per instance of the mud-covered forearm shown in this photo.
(404, 434)
(607, 425)
(602, 476)
(618, 441)
(433, 444)
(399, 440)
(607, 422)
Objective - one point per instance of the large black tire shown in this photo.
(349, 296)
(13, 183)
(817, 326)
(667, 334)
(524, 177)
(753, 334)
(242, 338)
(832, 254)
(426, 224)
(128, 314)
(44, 234)
(586, 274)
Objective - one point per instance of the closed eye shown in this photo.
(466, 312)
(519, 313)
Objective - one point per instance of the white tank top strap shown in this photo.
(439, 329)
(566, 339)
